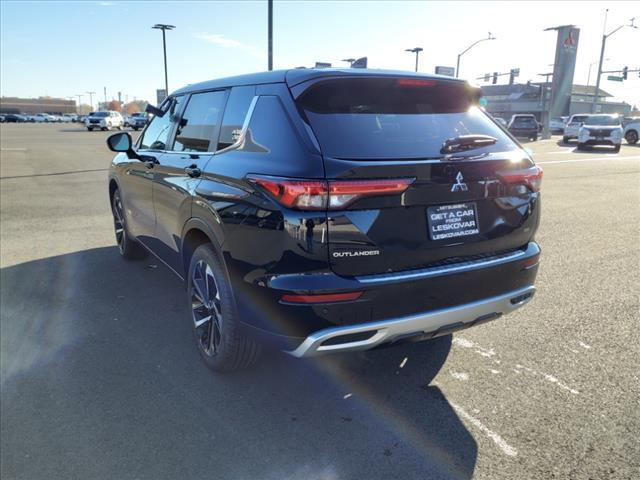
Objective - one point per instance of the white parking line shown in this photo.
(596, 159)
(497, 439)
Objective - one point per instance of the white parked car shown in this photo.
(600, 130)
(43, 117)
(631, 132)
(572, 127)
(104, 120)
(556, 126)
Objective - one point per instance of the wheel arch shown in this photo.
(196, 232)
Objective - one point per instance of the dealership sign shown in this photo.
(564, 67)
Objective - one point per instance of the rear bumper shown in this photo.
(423, 326)
(386, 297)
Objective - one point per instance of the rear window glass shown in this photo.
(386, 118)
(100, 114)
(579, 118)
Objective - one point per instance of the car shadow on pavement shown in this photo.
(101, 379)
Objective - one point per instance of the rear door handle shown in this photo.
(193, 171)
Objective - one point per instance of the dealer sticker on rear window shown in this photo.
(452, 221)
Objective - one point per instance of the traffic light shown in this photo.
(625, 70)
(495, 78)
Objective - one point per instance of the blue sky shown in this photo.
(66, 48)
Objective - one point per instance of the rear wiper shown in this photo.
(463, 143)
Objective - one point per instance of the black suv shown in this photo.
(329, 210)
(524, 126)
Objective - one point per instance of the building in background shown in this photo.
(37, 105)
(506, 100)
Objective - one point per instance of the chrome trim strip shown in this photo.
(532, 249)
(447, 319)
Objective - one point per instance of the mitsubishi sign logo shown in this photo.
(459, 186)
(569, 41)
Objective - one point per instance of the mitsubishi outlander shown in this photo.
(329, 210)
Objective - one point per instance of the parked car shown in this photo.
(631, 132)
(138, 120)
(600, 130)
(627, 120)
(556, 126)
(14, 118)
(104, 120)
(524, 126)
(69, 117)
(572, 127)
(297, 235)
(1, 118)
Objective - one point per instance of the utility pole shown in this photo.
(604, 42)
(544, 115)
(270, 33)
(417, 51)
(79, 104)
(91, 94)
(163, 27)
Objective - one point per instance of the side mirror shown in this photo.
(119, 142)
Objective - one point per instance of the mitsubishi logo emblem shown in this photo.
(459, 186)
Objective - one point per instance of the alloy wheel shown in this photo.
(206, 309)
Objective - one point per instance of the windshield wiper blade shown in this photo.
(463, 143)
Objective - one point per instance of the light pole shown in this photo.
(489, 37)
(349, 61)
(417, 51)
(79, 104)
(163, 27)
(604, 42)
(91, 94)
(591, 65)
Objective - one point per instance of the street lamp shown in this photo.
(79, 104)
(91, 94)
(489, 37)
(349, 60)
(163, 27)
(591, 65)
(604, 41)
(417, 51)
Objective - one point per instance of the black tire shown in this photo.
(580, 146)
(90, 129)
(129, 248)
(135, 128)
(565, 139)
(221, 343)
(616, 148)
(631, 137)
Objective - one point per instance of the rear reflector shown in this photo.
(532, 177)
(322, 298)
(332, 194)
(531, 262)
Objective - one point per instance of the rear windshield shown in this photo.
(386, 118)
(100, 114)
(602, 120)
(524, 121)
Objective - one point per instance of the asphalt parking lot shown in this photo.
(101, 379)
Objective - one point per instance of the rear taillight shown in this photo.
(332, 194)
(531, 177)
(415, 82)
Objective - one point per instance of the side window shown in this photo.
(157, 133)
(237, 107)
(200, 124)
